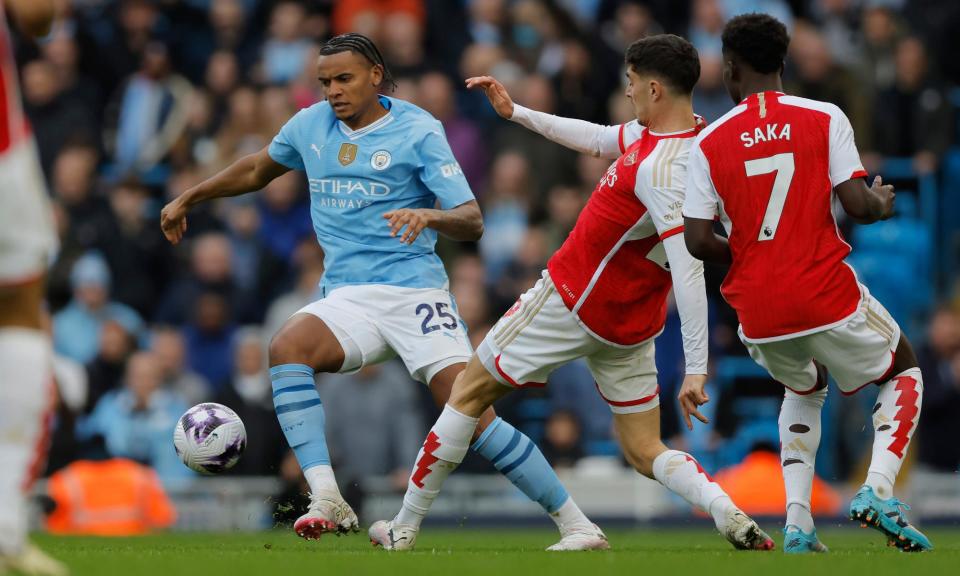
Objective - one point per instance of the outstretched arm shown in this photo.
(463, 223)
(579, 135)
(248, 174)
(866, 205)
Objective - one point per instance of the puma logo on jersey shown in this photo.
(773, 132)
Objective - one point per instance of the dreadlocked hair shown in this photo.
(360, 44)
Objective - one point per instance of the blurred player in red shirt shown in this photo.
(771, 169)
(27, 243)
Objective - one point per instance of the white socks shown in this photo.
(569, 518)
(25, 395)
(442, 452)
(895, 418)
(799, 439)
(321, 479)
(683, 475)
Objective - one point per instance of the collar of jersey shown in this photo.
(777, 92)
(373, 126)
(700, 122)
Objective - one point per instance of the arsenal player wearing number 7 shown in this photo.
(771, 168)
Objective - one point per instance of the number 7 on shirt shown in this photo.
(782, 164)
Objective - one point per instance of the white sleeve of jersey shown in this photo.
(691, 295)
(844, 159)
(665, 206)
(701, 200)
(579, 135)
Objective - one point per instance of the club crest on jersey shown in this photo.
(631, 159)
(380, 160)
(347, 153)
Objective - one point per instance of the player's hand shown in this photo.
(410, 221)
(886, 195)
(692, 396)
(496, 94)
(173, 221)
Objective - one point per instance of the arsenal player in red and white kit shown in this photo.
(603, 298)
(27, 243)
(771, 169)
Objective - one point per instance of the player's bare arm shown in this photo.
(33, 16)
(248, 174)
(705, 244)
(866, 205)
(463, 223)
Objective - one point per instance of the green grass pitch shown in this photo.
(463, 552)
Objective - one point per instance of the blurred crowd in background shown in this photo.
(134, 101)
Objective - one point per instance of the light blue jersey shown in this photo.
(400, 161)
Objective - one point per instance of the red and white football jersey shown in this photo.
(771, 164)
(14, 128)
(612, 270)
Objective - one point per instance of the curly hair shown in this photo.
(759, 40)
(667, 56)
(359, 44)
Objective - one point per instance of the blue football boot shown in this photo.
(887, 516)
(796, 541)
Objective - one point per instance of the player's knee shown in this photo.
(641, 452)
(473, 393)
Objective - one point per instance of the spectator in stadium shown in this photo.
(913, 117)
(882, 31)
(211, 270)
(257, 270)
(106, 496)
(284, 214)
(286, 49)
(76, 328)
(76, 85)
(209, 337)
(251, 397)
(385, 399)
(549, 164)
(308, 260)
(136, 420)
(73, 181)
(137, 251)
(710, 99)
(436, 95)
(562, 440)
(505, 208)
(940, 361)
(57, 117)
(818, 76)
(571, 389)
(370, 17)
(105, 373)
(151, 115)
(168, 345)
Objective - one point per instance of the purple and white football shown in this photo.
(210, 438)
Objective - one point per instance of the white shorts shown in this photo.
(856, 353)
(375, 323)
(539, 334)
(28, 239)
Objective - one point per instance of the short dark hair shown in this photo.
(359, 44)
(759, 40)
(667, 56)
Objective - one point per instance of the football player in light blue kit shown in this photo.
(377, 168)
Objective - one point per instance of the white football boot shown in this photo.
(744, 533)
(32, 561)
(587, 538)
(392, 536)
(328, 513)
